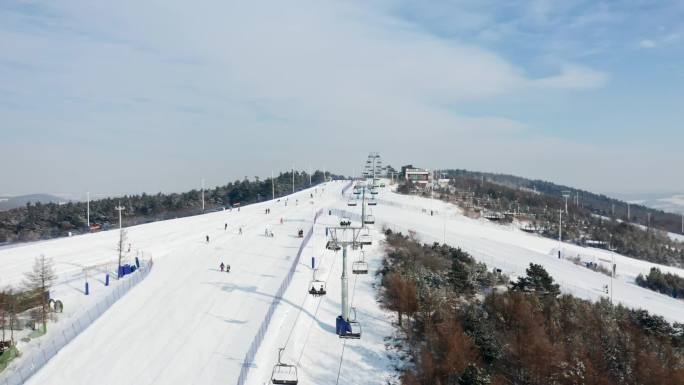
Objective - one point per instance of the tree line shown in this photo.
(540, 210)
(598, 204)
(465, 325)
(668, 283)
(43, 221)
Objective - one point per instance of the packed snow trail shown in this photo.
(305, 325)
(188, 322)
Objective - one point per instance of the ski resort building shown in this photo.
(419, 176)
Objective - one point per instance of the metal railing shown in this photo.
(61, 334)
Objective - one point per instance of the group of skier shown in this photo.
(226, 267)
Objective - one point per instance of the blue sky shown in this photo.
(152, 96)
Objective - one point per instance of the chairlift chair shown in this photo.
(360, 267)
(317, 287)
(372, 202)
(283, 373)
(331, 245)
(365, 239)
(351, 202)
(369, 220)
(345, 222)
(354, 325)
(374, 191)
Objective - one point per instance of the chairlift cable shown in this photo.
(315, 315)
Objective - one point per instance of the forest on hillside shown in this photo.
(459, 323)
(538, 211)
(37, 221)
(596, 203)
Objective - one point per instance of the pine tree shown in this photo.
(38, 283)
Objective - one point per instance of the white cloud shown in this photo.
(277, 78)
(647, 43)
(573, 76)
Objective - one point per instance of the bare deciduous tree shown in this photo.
(38, 283)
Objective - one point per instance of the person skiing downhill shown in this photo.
(225, 226)
(222, 266)
(207, 239)
(240, 230)
(227, 268)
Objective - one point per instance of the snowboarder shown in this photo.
(207, 239)
(222, 266)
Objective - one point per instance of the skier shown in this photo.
(240, 230)
(227, 268)
(222, 266)
(281, 221)
(225, 226)
(207, 239)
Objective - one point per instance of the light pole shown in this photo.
(88, 209)
(120, 208)
(560, 231)
(612, 270)
(272, 186)
(202, 195)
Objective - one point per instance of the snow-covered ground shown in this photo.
(511, 250)
(189, 323)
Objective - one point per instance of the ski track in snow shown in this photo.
(189, 323)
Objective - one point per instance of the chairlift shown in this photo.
(360, 266)
(493, 216)
(332, 245)
(365, 239)
(369, 220)
(317, 287)
(283, 373)
(372, 202)
(354, 330)
(351, 202)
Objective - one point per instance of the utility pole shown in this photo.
(120, 208)
(202, 195)
(272, 185)
(560, 231)
(88, 209)
(566, 195)
(628, 213)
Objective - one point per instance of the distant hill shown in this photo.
(599, 204)
(9, 203)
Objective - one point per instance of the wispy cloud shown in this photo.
(253, 83)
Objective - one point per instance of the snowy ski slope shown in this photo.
(188, 323)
